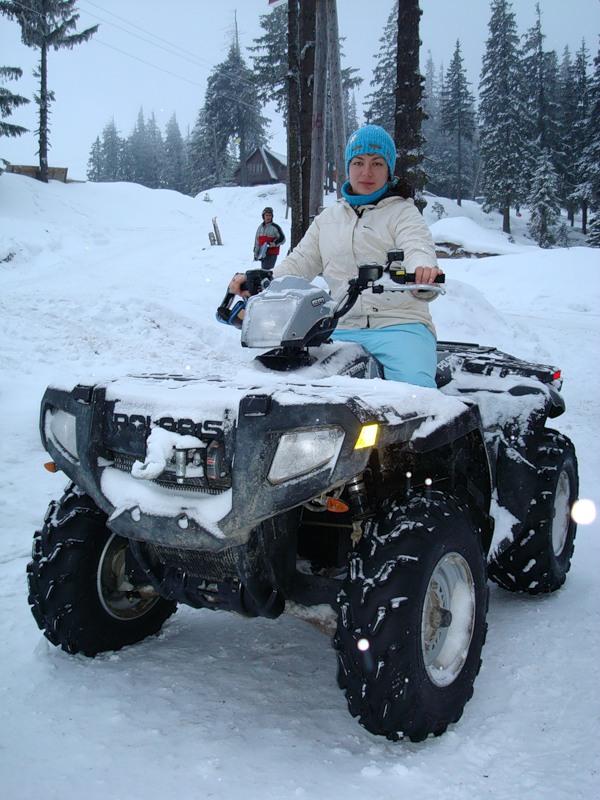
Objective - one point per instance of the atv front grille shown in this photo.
(217, 566)
(168, 479)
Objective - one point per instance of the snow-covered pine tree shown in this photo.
(380, 103)
(207, 166)
(127, 161)
(9, 101)
(593, 238)
(437, 155)
(110, 153)
(175, 166)
(135, 159)
(581, 194)
(458, 119)
(233, 109)
(590, 160)
(270, 64)
(154, 154)
(539, 82)
(46, 24)
(551, 72)
(502, 116)
(94, 164)
(350, 110)
(430, 102)
(567, 155)
(543, 202)
(409, 114)
(351, 80)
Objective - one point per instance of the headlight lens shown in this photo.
(60, 427)
(266, 320)
(301, 452)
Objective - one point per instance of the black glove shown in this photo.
(257, 280)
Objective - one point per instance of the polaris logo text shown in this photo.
(143, 424)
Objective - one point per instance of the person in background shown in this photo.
(267, 240)
(375, 215)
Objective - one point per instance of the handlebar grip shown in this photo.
(410, 278)
(256, 280)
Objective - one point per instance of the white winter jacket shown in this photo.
(341, 239)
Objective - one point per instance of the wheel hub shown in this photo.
(117, 595)
(562, 513)
(448, 619)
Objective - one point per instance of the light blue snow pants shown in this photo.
(407, 352)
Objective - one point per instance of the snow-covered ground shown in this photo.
(102, 280)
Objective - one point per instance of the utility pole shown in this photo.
(337, 94)
(317, 172)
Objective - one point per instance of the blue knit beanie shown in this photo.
(371, 140)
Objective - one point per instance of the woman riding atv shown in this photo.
(374, 216)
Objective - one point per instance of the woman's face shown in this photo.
(368, 174)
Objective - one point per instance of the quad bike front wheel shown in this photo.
(412, 618)
(82, 594)
(539, 557)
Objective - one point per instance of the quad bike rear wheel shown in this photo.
(539, 557)
(81, 592)
(412, 618)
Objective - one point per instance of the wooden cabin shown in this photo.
(54, 173)
(263, 166)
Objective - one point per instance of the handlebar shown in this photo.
(259, 279)
(369, 274)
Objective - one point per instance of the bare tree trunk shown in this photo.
(43, 115)
(337, 94)
(584, 216)
(506, 218)
(409, 91)
(293, 125)
(317, 172)
(243, 153)
(307, 65)
(459, 168)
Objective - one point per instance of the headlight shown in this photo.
(305, 451)
(266, 320)
(59, 428)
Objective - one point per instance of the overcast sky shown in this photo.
(157, 55)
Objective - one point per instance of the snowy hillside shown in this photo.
(101, 280)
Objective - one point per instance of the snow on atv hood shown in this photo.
(157, 396)
(179, 396)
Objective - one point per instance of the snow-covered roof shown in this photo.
(281, 158)
(266, 154)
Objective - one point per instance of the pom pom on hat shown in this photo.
(371, 140)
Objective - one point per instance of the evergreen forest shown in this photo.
(527, 134)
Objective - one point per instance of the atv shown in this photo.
(310, 480)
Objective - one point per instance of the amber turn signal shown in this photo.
(337, 506)
(367, 436)
(50, 466)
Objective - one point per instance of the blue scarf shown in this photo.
(362, 199)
